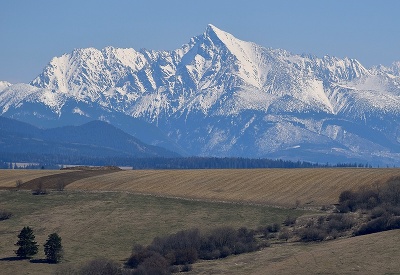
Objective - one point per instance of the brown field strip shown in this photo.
(281, 187)
(8, 178)
(63, 179)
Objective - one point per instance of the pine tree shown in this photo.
(26, 243)
(53, 248)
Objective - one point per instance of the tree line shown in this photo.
(54, 162)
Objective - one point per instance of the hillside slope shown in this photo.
(369, 254)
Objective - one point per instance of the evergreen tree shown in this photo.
(26, 243)
(53, 248)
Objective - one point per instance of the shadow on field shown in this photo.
(11, 259)
(39, 261)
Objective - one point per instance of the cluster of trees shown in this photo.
(177, 251)
(380, 201)
(378, 208)
(28, 247)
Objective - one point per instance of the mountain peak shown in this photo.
(211, 28)
(214, 32)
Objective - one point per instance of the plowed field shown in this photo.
(281, 187)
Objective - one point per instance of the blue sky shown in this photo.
(32, 32)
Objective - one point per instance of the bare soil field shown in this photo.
(278, 187)
(8, 177)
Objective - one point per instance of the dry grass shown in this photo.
(107, 224)
(370, 254)
(281, 187)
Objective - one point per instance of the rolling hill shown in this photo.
(93, 140)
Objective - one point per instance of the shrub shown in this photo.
(100, 266)
(5, 215)
(18, 184)
(370, 198)
(174, 269)
(375, 225)
(339, 222)
(347, 195)
(391, 192)
(290, 220)
(180, 248)
(39, 190)
(139, 254)
(155, 262)
(383, 223)
(392, 209)
(274, 228)
(187, 268)
(377, 212)
(312, 234)
(185, 247)
(284, 234)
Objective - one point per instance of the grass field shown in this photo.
(104, 214)
(370, 254)
(108, 224)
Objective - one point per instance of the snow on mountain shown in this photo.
(4, 84)
(221, 96)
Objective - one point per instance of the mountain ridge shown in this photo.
(220, 96)
(95, 139)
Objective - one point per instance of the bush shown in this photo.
(39, 190)
(383, 223)
(139, 254)
(312, 234)
(154, 264)
(187, 268)
(391, 192)
(377, 212)
(290, 220)
(18, 184)
(284, 235)
(185, 247)
(370, 198)
(100, 266)
(274, 228)
(339, 222)
(5, 215)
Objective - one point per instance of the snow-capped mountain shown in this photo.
(221, 96)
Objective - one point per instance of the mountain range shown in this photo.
(94, 140)
(220, 96)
